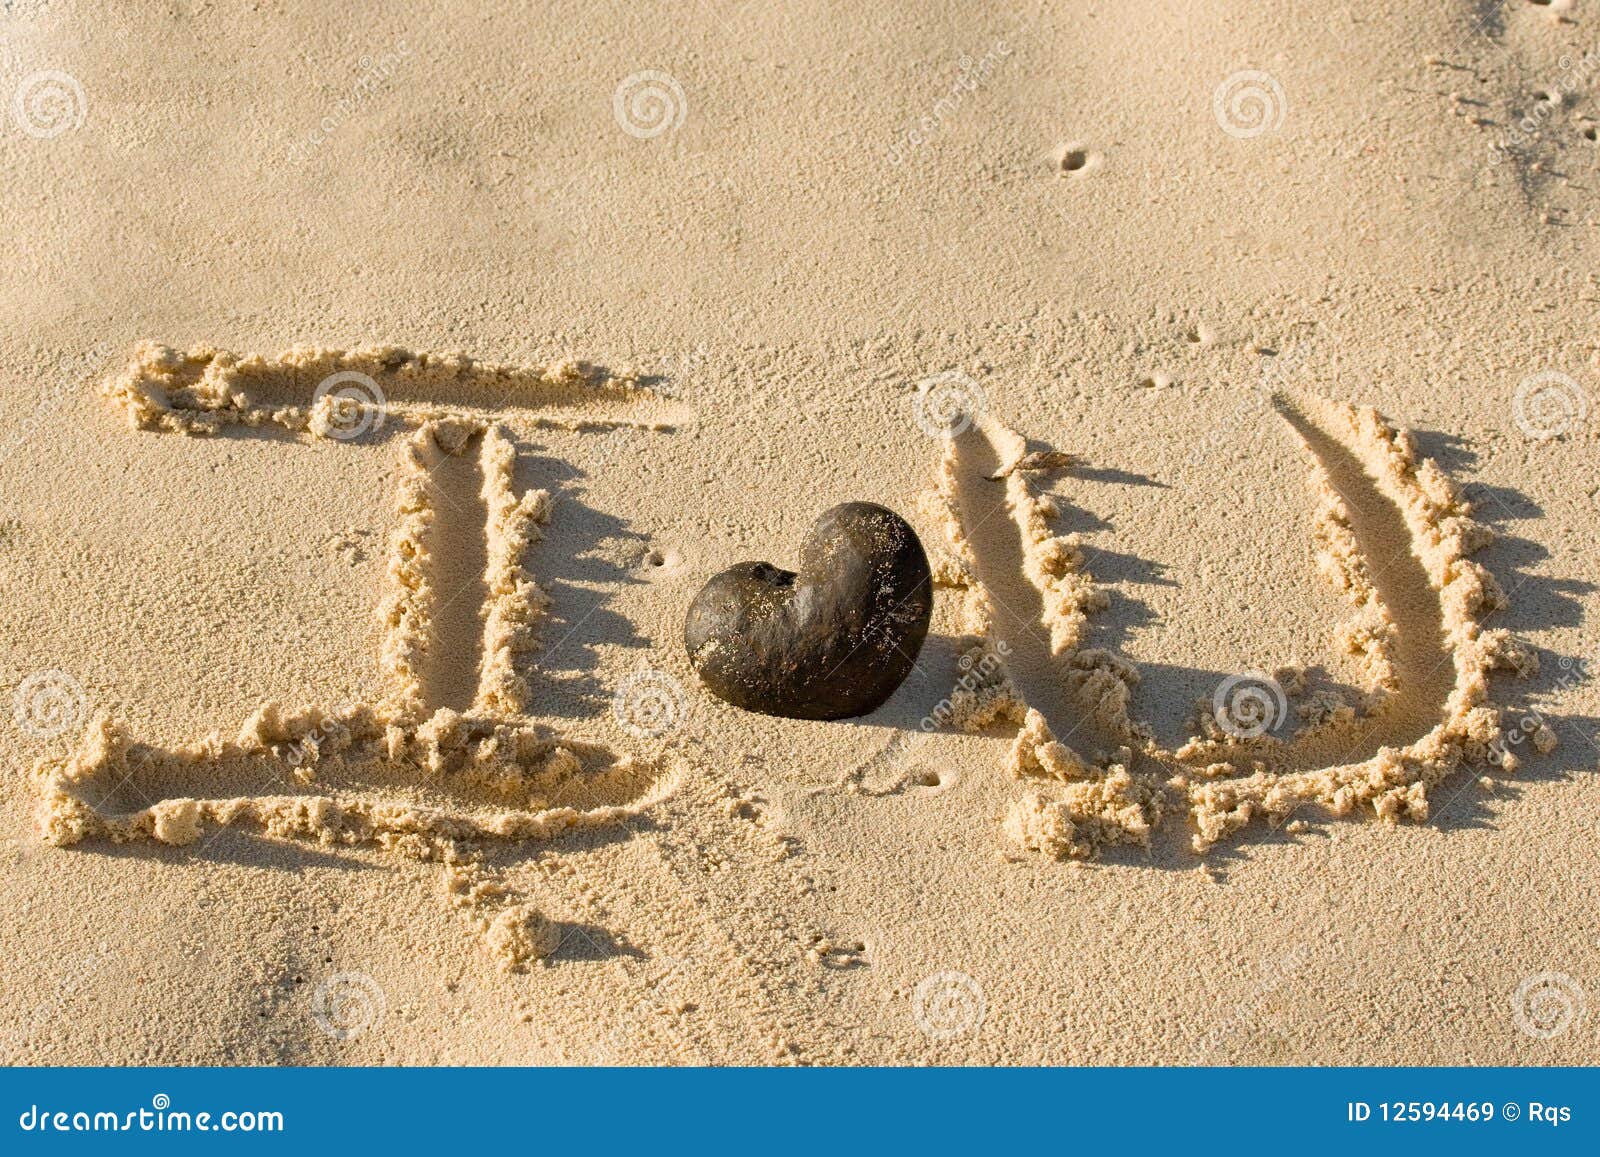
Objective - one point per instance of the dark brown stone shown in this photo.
(831, 640)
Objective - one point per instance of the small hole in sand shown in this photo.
(1073, 159)
(1590, 132)
(929, 779)
(655, 558)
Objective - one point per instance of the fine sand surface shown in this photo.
(1236, 364)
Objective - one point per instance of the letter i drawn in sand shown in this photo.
(437, 767)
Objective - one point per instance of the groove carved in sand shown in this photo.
(1416, 634)
(206, 390)
(402, 773)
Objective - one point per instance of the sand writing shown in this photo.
(401, 773)
(1222, 779)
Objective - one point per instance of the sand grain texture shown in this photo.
(1284, 386)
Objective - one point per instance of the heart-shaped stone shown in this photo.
(831, 640)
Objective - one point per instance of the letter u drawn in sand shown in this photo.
(1416, 637)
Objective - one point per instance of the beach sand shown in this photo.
(1235, 365)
